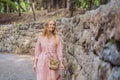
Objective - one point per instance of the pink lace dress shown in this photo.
(41, 48)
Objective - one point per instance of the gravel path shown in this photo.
(16, 67)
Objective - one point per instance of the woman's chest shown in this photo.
(47, 43)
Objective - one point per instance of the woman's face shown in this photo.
(51, 26)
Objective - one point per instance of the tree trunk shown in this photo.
(90, 4)
(11, 9)
(5, 8)
(68, 4)
(49, 5)
(33, 9)
(60, 3)
(72, 7)
(52, 3)
(57, 4)
(19, 10)
(65, 4)
(103, 1)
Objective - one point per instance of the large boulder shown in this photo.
(111, 54)
(115, 75)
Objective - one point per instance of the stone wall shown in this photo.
(90, 42)
(19, 38)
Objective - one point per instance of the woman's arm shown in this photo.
(37, 52)
(60, 53)
(35, 61)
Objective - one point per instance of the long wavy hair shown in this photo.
(54, 32)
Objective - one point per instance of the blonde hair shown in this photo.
(46, 32)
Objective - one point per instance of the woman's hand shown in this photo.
(34, 67)
(61, 66)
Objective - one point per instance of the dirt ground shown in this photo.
(16, 67)
(41, 16)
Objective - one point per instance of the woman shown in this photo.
(48, 45)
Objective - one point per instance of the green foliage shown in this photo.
(97, 3)
(13, 4)
(9, 3)
(87, 4)
(24, 5)
(1, 8)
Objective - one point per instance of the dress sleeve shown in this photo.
(59, 50)
(37, 48)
